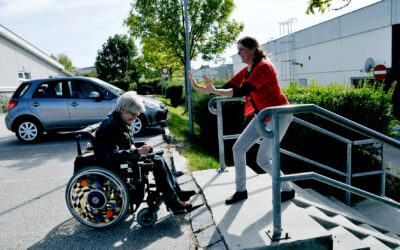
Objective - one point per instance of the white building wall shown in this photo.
(18, 56)
(336, 50)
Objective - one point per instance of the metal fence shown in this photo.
(373, 137)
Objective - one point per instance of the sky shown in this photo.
(79, 28)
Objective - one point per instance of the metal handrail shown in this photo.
(274, 113)
(312, 108)
(218, 112)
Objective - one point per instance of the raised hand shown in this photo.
(196, 86)
(210, 86)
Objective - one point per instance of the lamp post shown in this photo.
(187, 68)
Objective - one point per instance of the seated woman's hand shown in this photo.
(145, 149)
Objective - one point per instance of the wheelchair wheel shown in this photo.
(146, 217)
(97, 197)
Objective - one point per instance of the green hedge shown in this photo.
(4, 103)
(367, 105)
(175, 94)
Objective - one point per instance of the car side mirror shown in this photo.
(94, 95)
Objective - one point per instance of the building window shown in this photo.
(23, 76)
(303, 82)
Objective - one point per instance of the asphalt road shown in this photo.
(33, 213)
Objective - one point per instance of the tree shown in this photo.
(117, 61)
(65, 61)
(163, 23)
(155, 58)
(323, 5)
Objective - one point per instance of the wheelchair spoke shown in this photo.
(97, 199)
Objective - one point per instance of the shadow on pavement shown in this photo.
(126, 235)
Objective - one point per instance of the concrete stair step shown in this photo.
(329, 218)
(343, 239)
(335, 205)
(348, 209)
(392, 235)
(369, 227)
(380, 214)
(374, 244)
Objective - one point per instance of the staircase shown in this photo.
(350, 228)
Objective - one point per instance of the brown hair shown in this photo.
(250, 42)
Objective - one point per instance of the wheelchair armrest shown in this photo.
(138, 144)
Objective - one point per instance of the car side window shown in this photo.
(75, 90)
(88, 88)
(22, 89)
(49, 90)
(107, 94)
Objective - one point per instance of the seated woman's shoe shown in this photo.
(179, 207)
(287, 195)
(238, 196)
(185, 195)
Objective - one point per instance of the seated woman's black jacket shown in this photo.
(113, 141)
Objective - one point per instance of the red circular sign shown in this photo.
(380, 72)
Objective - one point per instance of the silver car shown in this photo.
(64, 104)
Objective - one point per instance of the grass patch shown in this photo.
(187, 145)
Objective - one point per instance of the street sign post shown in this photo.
(164, 72)
(380, 72)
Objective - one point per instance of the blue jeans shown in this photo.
(264, 156)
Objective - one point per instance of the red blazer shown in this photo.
(267, 93)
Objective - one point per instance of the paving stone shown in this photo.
(208, 236)
(218, 246)
(184, 178)
(201, 218)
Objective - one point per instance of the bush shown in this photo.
(154, 83)
(175, 94)
(124, 85)
(366, 105)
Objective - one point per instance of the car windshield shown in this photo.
(110, 86)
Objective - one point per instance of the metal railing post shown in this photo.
(221, 146)
(220, 126)
(276, 178)
(383, 175)
(348, 171)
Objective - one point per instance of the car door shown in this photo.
(85, 110)
(50, 104)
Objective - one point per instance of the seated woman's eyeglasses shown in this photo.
(134, 114)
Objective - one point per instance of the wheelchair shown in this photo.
(99, 197)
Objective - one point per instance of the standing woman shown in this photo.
(258, 83)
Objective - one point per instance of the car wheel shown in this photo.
(29, 131)
(137, 125)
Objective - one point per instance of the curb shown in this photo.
(203, 226)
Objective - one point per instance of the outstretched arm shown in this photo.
(213, 90)
(209, 88)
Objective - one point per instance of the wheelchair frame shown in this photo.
(98, 197)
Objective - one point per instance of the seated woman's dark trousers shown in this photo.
(165, 181)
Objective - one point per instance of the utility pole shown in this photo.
(187, 68)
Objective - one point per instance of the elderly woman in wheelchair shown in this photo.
(111, 177)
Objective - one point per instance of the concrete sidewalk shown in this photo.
(245, 224)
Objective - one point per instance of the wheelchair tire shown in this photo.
(97, 197)
(146, 217)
